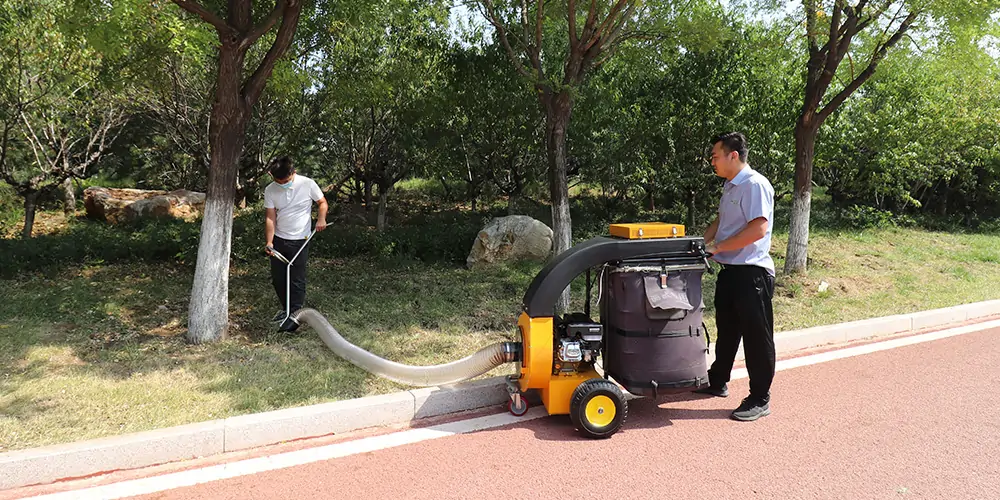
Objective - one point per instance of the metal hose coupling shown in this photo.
(471, 366)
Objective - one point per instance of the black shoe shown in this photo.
(279, 316)
(720, 392)
(751, 409)
(288, 326)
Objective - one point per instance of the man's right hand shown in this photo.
(269, 249)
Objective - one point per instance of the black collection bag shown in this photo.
(655, 341)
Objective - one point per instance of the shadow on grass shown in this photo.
(129, 321)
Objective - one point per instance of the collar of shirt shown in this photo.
(741, 177)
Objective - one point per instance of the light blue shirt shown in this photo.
(748, 196)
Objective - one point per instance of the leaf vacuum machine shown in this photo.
(648, 339)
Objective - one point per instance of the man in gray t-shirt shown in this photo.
(740, 240)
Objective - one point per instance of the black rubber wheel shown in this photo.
(598, 408)
(518, 411)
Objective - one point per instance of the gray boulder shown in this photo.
(119, 204)
(511, 238)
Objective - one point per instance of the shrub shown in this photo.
(866, 217)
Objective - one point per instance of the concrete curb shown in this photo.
(85, 458)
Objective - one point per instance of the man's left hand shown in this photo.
(320, 225)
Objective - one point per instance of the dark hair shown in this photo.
(733, 141)
(282, 167)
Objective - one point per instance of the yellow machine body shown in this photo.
(536, 367)
(557, 396)
(647, 230)
(536, 370)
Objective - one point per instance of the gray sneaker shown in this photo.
(751, 409)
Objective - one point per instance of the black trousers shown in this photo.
(743, 312)
(288, 248)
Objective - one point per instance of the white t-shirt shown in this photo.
(293, 206)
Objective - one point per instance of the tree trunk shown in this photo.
(383, 199)
(796, 256)
(30, 201)
(368, 195)
(691, 206)
(513, 204)
(240, 195)
(447, 189)
(558, 109)
(69, 196)
(472, 192)
(357, 193)
(250, 191)
(515, 196)
(209, 308)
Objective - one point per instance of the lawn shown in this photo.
(93, 350)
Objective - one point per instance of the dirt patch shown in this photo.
(173, 328)
(46, 223)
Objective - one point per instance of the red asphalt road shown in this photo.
(919, 421)
(913, 422)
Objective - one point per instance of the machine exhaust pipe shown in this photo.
(466, 368)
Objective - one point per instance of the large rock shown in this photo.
(515, 237)
(119, 204)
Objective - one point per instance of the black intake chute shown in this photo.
(541, 296)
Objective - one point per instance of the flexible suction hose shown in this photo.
(477, 364)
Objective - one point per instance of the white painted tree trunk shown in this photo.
(69, 196)
(209, 307)
(798, 235)
(797, 254)
(383, 200)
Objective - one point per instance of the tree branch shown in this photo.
(877, 57)
(33, 140)
(534, 51)
(589, 27)
(488, 12)
(289, 21)
(571, 17)
(265, 26)
(4, 143)
(810, 6)
(838, 9)
(608, 21)
(197, 9)
(539, 9)
(113, 119)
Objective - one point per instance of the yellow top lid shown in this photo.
(647, 230)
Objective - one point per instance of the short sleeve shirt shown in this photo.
(293, 206)
(745, 198)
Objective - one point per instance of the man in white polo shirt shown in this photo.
(288, 204)
(740, 240)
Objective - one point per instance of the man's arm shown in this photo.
(710, 233)
(270, 216)
(317, 195)
(754, 230)
(321, 217)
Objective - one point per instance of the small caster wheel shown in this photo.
(598, 408)
(519, 407)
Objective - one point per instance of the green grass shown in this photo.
(97, 350)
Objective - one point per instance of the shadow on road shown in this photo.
(644, 413)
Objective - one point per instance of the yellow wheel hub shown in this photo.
(600, 411)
